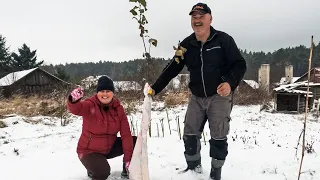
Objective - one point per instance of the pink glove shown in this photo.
(77, 94)
(127, 166)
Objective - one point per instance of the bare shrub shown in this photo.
(3, 124)
(44, 108)
(309, 147)
(251, 97)
(130, 100)
(87, 92)
(47, 105)
(1, 94)
(161, 96)
(175, 99)
(19, 105)
(60, 97)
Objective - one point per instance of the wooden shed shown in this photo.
(291, 101)
(314, 81)
(292, 97)
(31, 81)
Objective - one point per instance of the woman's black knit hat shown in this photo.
(105, 83)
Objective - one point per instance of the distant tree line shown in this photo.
(139, 70)
(296, 56)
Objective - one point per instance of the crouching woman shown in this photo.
(103, 117)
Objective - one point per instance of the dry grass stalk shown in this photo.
(28, 106)
(175, 99)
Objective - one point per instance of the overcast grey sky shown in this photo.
(88, 31)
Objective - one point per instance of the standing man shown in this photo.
(216, 67)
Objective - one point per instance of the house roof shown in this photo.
(305, 74)
(14, 76)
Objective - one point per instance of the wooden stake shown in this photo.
(158, 130)
(133, 128)
(162, 127)
(306, 110)
(178, 124)
(168, 121)
(204, 138)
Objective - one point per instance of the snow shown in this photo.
(252, 83)
(15, 76)
(283, 80)
(261, 146)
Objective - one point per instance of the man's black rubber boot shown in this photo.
(215, 173)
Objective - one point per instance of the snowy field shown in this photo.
(262, 146)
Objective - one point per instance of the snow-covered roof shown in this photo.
(283, 80)
(126, 85)
(305, 74)
(252, 83)
(177, 81)
(92, 78)
(294, 79)
(15, 76)
(90, 81)
(291, 88)
(118, 85)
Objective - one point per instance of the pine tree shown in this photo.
(25, 60)
(4, 57)
(61, 73)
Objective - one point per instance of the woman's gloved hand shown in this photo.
(76, 94)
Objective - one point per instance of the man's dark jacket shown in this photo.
(217, 60)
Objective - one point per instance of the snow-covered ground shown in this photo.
(262, 146)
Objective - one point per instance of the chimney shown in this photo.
(264, 76)
(289, 74)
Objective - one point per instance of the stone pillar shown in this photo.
(289, 74)
(264, 77)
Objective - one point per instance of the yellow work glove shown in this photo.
(151, 92)
(179, 52)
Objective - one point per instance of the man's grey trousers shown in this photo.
(216, 109)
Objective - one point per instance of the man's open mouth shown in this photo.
(197, 24)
